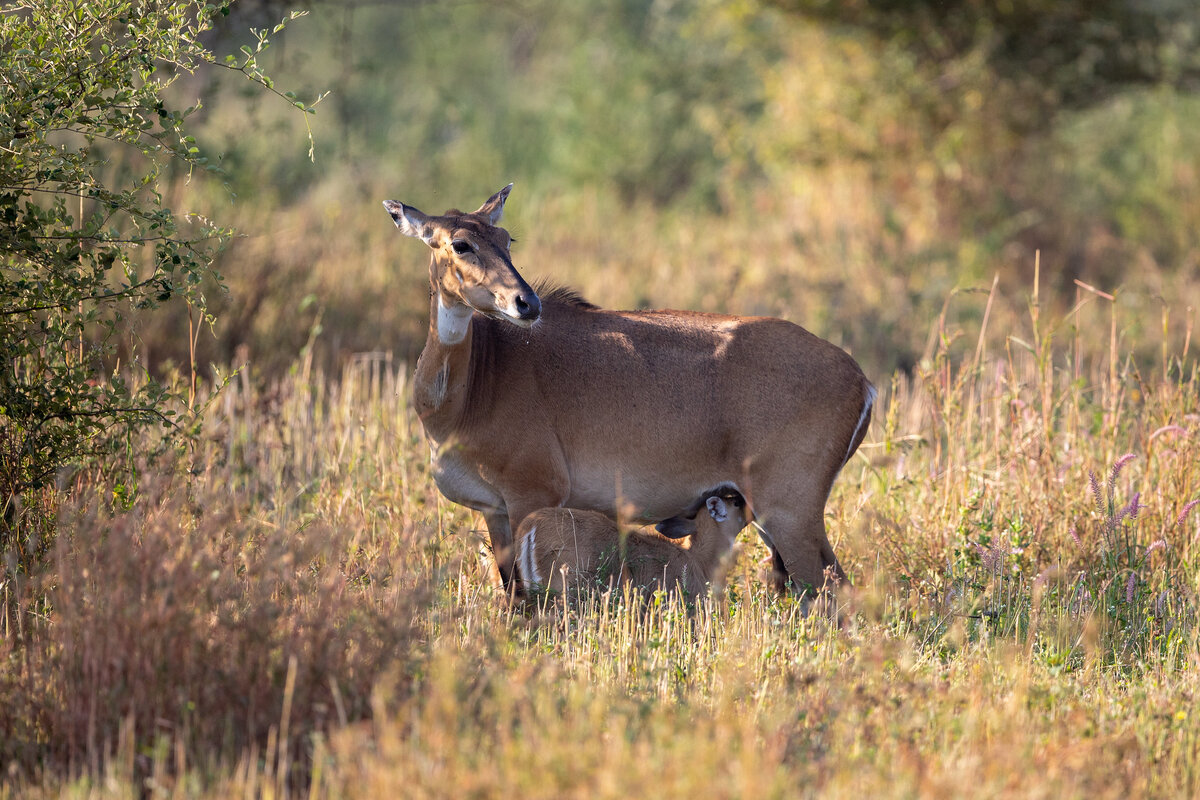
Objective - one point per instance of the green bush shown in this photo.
(89, 141)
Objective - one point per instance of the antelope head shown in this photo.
(471, 266)
(722, 503)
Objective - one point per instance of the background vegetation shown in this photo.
(993, 206)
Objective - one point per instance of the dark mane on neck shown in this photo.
(562, 295)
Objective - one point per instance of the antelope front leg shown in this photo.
(501, 524)
(534, 482)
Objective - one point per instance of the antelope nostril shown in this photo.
(528, 308)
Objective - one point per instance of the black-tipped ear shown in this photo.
(676, 527)
(493, 209)
(409, 220)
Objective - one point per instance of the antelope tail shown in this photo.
(864, 419)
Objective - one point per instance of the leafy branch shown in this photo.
(90, 138)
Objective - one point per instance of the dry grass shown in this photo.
(291, 609)
(294, 611)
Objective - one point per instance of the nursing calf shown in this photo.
(562, 548)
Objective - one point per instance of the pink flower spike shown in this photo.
(1129, 587)
(1135, 506)
(1187, 510)
(1157, 544)
(1117, 466)
(1075, 535)
(1168, 429)
(1160, 605)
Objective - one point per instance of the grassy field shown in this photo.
(284, 606)
(293, 611)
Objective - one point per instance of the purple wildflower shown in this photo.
(1160, 605)
(1157, 544)
(1134, 505)
(1130, 511)
(993, 557)
(1075, 535)
(1081, 599)
(1095, 484)
(1168, 429)
(1117, 466)
(1129, 587)
(1187, 510)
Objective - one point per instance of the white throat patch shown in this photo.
(453, 322)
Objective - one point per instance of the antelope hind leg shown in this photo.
(801, 553)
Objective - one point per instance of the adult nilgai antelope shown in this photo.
(531, 402)
(560, 548)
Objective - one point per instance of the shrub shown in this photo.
(89, 137)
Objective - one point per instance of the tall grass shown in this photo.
(295, 610)
(291, 609)
(252, 599)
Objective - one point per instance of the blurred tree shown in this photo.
(988, 87)
(1064, 53)
(87, 141)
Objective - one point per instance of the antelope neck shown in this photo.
(445, 363)
(453, 322)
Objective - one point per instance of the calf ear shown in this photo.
(716, 507)
(409, 220)
(676, 527)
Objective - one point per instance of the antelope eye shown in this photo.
(461, 246)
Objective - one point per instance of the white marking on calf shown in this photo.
(526, 559)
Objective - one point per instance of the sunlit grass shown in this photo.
(295, 610)
(291, 609)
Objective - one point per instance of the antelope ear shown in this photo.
(493, 209)
(676, 527)
(410, 221)
(716, 507)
